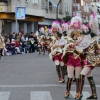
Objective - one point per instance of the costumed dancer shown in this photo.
(42, 41)
(56, 51)
(91, 59)
(48, 41)
(72, 55)
(65, 28)
(2, 45)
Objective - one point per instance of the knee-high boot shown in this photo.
(77, 84)
(63, 74)
(68, 87)
(81, 84)
(93, 88)
(58, 72)
(0, 53)
(43, 50)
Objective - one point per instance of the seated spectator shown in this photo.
(18, 46)
(8, 47)
(24, 46)
(13, 49)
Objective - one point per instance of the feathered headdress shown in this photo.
(56, 25)
(42, 30)
(76, 23)
(94, 24)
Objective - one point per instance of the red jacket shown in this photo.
(17, 44)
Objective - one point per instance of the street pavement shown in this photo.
(33, 77)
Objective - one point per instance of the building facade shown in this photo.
(95, 6)
(38, 12)
(82, 8)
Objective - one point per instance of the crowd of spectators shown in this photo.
(19, 43)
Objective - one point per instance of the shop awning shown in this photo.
(53, 4)
(11, 16)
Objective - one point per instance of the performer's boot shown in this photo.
(81, 84)
(39, 49)
(58, 72)
(93, 88)
(63, 74)
(74, 79)
(68, 87)
(65, 68)
(77, 86)
(0, 53)
(43, 50)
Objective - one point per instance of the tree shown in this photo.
(67, 18)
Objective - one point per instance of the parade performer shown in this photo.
(56, 51)
(72, 55)
(42, 40)
(47, 43)
(2, 45)
(91, 59)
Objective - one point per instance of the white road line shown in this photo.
(41, 95)
(41, 85)
(85, 94)
(4, 95)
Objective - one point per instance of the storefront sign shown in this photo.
(1, 8)
(20, 12)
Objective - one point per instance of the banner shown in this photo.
(20, 12)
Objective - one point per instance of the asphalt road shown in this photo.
(33, 77)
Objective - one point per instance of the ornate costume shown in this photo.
(2, 45)
(56, 50)
(90, 59)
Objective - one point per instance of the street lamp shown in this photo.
(16, 14)
(57, 9)
(75, 6)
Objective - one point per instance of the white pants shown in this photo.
(86, 71)
(57, 62)
(70, 71)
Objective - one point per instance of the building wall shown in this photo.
(82, 9)
(36, 8)
(95, 6)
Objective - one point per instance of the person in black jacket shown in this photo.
(31, 42)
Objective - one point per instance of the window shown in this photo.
(27, 0)
(35, 2)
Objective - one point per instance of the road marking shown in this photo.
(42, 85)
(41, 95)
(4, 95)
(85, 94)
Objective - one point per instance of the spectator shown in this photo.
(35, 42)
(18, 46)
(8, 47)
(31, 45)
